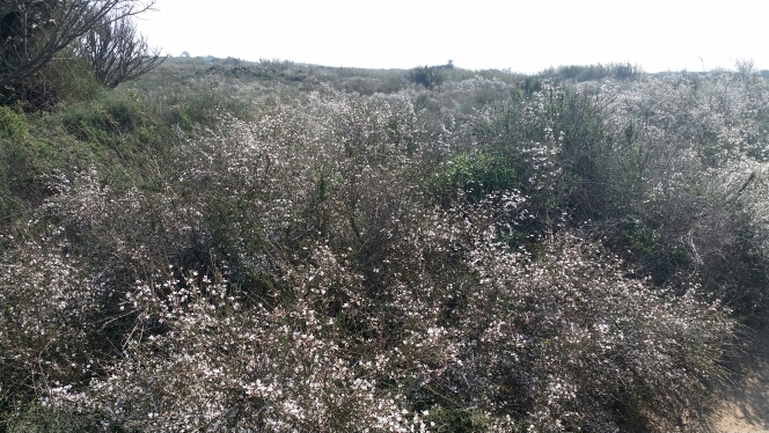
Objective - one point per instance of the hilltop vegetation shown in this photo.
(222, 245)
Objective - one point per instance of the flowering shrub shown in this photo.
(694, 145)
(392, 263)
(49, 316)
(573, 306)
(558, 340)
(198, 360)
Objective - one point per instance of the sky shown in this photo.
(524, 36)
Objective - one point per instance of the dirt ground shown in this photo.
(745, 406)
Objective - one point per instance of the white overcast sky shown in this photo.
(525, 36)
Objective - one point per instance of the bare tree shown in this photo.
(115, 52)
(33, 31)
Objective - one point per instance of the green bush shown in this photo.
(555, 141)
(25, 160)
(685, 166)
(474, 175)
(63, 81)
(103, 120)
(13, 124)
(191, 110)
(655, 255)
(427, 76)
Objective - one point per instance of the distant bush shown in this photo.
(619, 71)
(189, 111)
(427, 76)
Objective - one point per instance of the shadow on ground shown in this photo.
(744, 407)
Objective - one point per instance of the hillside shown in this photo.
(222, 245)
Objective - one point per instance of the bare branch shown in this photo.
(116, 52)
(33, 31)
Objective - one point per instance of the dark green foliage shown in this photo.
(26, 159)
(655, 254)
(104, 120)
(13, 124)
(555, 141)
(191, 110)
(585, 147)
(54, 420)
(63, 81)
(531, 85)
(14, 131)
(122, 132)
(427, 76)
(476, 175)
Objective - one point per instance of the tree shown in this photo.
(115, 52)
(32, 32)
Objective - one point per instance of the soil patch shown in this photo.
(744, 407)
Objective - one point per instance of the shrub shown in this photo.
(61, 82)
(515, 334)
(286, 369)
(26, 158)
(190, 111)
(475, 175)
(556, 143)
(103, 120)
(694, 162)
(49, 321)
(319, 264)
(14, 131)
(427, 76)
(565, 314)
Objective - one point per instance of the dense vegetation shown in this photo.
(232, 246)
